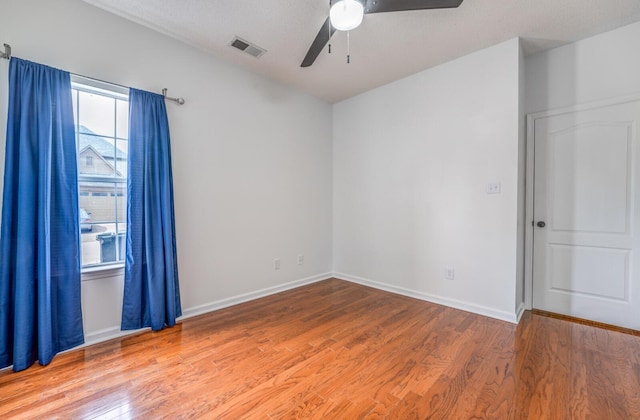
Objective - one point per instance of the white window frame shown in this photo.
(84, 84)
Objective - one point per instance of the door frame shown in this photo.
(530, 178)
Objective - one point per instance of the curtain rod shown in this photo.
(180, 101)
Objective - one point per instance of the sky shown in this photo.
(97, 114)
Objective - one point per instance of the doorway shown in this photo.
(584, 212)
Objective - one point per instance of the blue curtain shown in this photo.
(151, 291)
(40, 311)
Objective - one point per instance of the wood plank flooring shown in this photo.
(335, 349)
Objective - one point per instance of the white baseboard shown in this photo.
(99, 336)
(115, 332)
(245, 297)
(453, 303)
(520, 311)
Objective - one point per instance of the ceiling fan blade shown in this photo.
(379, 6)
(318, 44)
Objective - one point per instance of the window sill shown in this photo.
(105, 271)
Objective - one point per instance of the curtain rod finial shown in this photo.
(179, 101)
(7, 52)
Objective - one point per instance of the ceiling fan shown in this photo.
(345, 15)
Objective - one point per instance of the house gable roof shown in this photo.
(87, 138)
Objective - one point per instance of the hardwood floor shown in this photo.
(340, 350)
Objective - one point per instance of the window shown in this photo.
(101, 113)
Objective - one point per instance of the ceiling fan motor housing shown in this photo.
(346, 15)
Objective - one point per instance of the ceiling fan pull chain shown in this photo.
(348, 48)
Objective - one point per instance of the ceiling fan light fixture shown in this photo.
(346, 15)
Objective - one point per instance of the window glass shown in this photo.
(98, 151)
(120, 164)
(74, 99)
(122, 126)
(97, 112)
(101, 125)
(121, 202)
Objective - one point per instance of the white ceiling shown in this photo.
(386, 47)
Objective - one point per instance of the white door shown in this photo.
(587, 214)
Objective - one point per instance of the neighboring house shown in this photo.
(93, 163)
(99, 157)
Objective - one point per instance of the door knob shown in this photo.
(541, 224)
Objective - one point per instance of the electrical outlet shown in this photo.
(300, 259)
(493, 188)
(276, 264)
(448, 273)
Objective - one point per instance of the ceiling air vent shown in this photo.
(247, 47)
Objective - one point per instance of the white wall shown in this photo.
(251, 158)
(522, 192)
(411, 163)
(602, 67)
